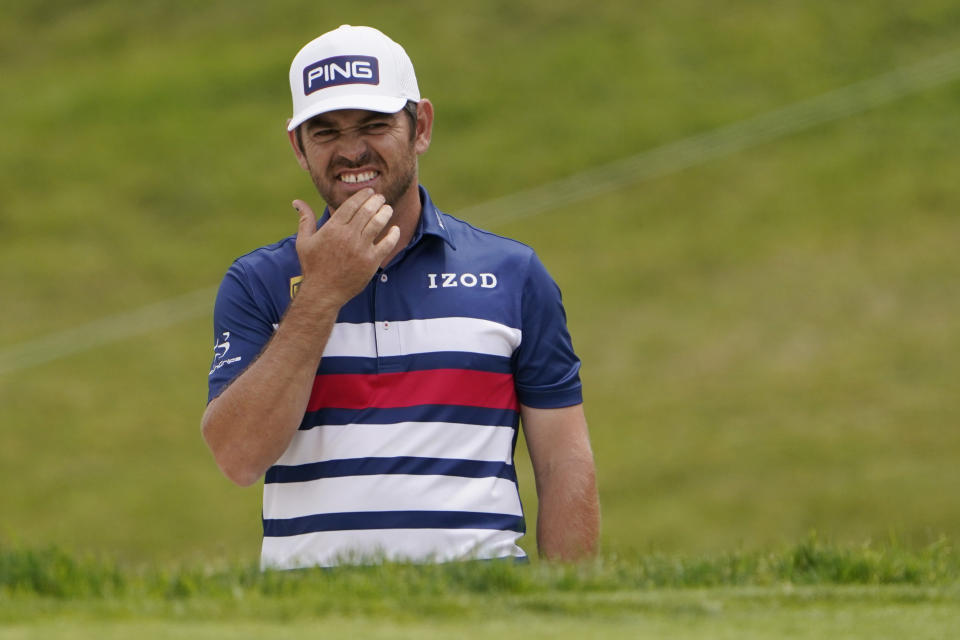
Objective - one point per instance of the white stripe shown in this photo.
(351, 340)
(390, 493)
(422, 439)
(331, 548)
(688, 152)
(432, 335)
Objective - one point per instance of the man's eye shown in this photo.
(376, 127)
(325, 134)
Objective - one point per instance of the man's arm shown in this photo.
(250, 424)
(568, 518)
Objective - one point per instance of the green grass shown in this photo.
(766, 336)
(810, 589)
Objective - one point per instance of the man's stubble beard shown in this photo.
(392, 191)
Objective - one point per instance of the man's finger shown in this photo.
(367, 209)
(346, 211)
(377, 223)
(387, 243)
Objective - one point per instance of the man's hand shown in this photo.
(251, 424)
(339, 258)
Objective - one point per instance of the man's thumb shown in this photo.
(308, 220)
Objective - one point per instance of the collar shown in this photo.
(430, 224)
(431, 221)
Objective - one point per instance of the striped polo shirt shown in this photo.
(406, 449)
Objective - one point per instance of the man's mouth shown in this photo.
(354, 178)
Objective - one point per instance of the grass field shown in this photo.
(767, 330)
(810, 591)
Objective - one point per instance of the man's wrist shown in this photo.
(316, 301)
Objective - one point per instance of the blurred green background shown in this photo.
(769, 334)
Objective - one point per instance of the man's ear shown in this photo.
(295, 144)
(424, 126)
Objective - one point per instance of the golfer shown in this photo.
(375, 368)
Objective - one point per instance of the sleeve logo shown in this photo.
(220, 351)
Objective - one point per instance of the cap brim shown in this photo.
(365, 102)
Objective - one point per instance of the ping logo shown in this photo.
(340, 70)
(295, 285)
(469, 280)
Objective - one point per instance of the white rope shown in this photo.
(698, 149)
(675, 156)
(106, 330)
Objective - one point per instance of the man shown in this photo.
(375, 368)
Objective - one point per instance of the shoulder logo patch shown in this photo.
(295, 285)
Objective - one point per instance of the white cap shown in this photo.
(350, 68)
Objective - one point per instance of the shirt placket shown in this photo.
(386, 331)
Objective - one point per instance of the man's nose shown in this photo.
(352, 146)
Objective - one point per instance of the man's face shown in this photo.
(349, 150)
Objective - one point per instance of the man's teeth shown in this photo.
(353, 178)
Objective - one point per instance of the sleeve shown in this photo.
(241, 329)
(546, 369)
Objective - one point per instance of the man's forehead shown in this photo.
(341, 117)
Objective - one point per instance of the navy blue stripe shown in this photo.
(393, 520)
(420, 413)
(385, 466)
(416, 362)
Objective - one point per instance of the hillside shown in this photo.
(764, 297)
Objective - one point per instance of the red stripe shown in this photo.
(438, 386)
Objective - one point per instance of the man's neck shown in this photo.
(406, 215)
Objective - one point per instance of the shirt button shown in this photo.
(383, 277)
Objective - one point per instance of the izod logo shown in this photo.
(469, 280)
